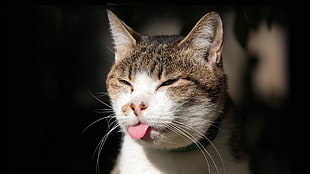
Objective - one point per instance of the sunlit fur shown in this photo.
(182, 83)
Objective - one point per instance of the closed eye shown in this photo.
(169, 82)
(124, 82)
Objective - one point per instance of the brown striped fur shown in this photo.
(191, 70)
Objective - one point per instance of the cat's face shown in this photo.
(167, 90)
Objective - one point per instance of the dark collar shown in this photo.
(204, 141)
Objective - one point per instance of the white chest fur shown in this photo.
(135, 159)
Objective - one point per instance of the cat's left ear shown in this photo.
(124, 37)
(206, 38)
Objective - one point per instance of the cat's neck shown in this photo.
(204, 141)
(216, 157)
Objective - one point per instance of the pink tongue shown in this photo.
(138, 131)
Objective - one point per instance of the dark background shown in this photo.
(55, 57)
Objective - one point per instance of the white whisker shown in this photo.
(100, 100)
(108, 122)
(100, 146)
(192, 139)
(102, 94)
(212, 144)
(100, 119)
(104, 111)
(92, 124)
(112, 125)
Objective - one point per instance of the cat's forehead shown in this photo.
(162, 39)
(157, 45)
(150, 53)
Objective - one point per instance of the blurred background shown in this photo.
(57, 57)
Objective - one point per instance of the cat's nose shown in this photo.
(138, 108)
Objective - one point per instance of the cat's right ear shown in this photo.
(206, 38)
(124, 37)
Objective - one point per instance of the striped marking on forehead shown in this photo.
(152, 67)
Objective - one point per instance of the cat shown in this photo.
(169, 96)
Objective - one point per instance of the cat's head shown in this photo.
(167, 90)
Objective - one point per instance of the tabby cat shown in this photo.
(169, 97)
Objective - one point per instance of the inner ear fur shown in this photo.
(206, 36)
